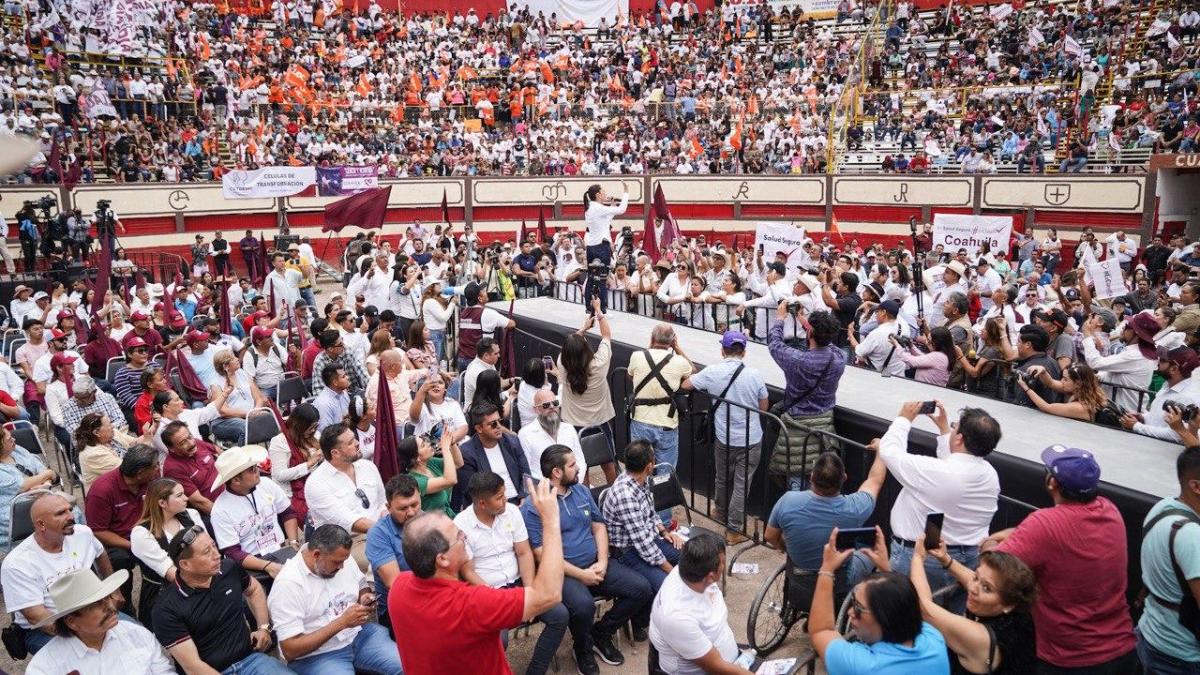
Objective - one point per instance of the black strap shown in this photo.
(893, 351)
(721, 398)
(1185, 516)
(991, 657)
(655, 374)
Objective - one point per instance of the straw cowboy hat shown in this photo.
(80, 589)
(236, 460)
(15, 153)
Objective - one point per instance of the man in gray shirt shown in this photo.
(738, 438)
(1062, 346)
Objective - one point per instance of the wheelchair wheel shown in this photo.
(770, 616)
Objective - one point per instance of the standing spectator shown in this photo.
(959, 482)
(334, 352)
(1079, 573)
(656, 375)
(811, 376)
(1132, 367)
(583, 382)
(737, 448)
(1176, 367)
(475, 321)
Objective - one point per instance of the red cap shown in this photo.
(139, 316)
(178, 321)
(135, 341)
(196, 337)
(255, 316)
(261, 332)
(158, 306)
(56, 334)
(61, 359)
(64, 314)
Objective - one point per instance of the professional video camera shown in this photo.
(46, 203)
(103, 204)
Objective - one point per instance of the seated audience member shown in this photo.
(1163, 642)
(264, 362)
(435, 476)
(294, 452)
(360, 418)
(192, 463)
(444, 625)
(487, 352)
(1080, 573)
(114, 505)
(886, 618)
(126, 383)
(399, 379)
(164, 514)
(959, 482)
(97, 452)
(545, 429)
(488, 392)
(996, 635)
(243, 396)
(385, 539)
(636, 536)
(500, 557)
(431, 407)
(170, 407)
(334, 400)
(87, 399)
(201, 618)
(345, 489)
(57, 547)
(534, 378)
(154, 381)
(689, 622)
(494, 449)
(89, 637)
(589, 570)
(800, 523)
(322, 609)
(20, 473)
(252, 518)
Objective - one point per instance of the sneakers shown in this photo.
(734, 538)
(606, 650)
(587, 664)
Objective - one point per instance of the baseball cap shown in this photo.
(1059, 317)
(1184, 357)
(139, 316)
(61, 359)
(890, 306)
(40, 295)
(1071, 293)
(158, 306)
(1107, 316)
(64, 314)
(733, 337)
(196, 337)
(261, 332)
(1074, 469)
(135, 341)
(56, 334)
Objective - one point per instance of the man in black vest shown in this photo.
(476, 321)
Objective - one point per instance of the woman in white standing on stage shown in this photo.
(599, 216)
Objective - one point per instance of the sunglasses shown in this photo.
(548, 405)
(491, 424)
(190, 534)
(362, 497)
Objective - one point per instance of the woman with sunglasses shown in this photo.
(20, 472)
(243, 397)
(997, 634)
(164, 514)
(1086, 399)
(294, 453)
(435, 476)
(675, 287)
(885, 616)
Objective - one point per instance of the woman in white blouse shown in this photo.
(361, 418)
(294, 453)
(243, 397)
(437, 311)
(164, 513)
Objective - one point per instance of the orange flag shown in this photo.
(833, 227)
(547, 74)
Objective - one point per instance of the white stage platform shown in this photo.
(1127, 460)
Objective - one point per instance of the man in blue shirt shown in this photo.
(385, 539)
(588, 571)
(738, 434)
(801, 522)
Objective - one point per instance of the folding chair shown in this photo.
(13, 346)
(114, 365)
(261, 426)
(290, 392)
(25, 434)
(20, 523)
(668, 493)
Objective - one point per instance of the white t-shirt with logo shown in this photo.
(29, 570)
(251, 521)
(302, 602)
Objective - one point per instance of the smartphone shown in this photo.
(745, 659)
(933, 530)
(547, 362)
(928, 408)
(855, 537)
(433, 370)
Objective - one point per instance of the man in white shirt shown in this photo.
(323, 610)
(287, 290)
(689, 622)
(1131, 367)
(345, 490)
(499, 556)
(774, 290)
(986, 282)
(247, 515)
(1122, 248)
(57, 548)
(548, 430)
(876, 350)
(959, 482)
(487, 355)
(95, 640)
(1179, 390)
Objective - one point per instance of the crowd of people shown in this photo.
(679, 91)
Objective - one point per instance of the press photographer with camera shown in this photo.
(932, 367)
(107, 223)
(877, 349)
(1178, 392)
(1085, 399)
(29, 231)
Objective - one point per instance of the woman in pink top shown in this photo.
(932, 367)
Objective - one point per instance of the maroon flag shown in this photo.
(103, 273)
(223, 310)
(735, 242)
(662, 210)
(74, 174)
(543, 234)
(385, 431)
(446, 210)
(54, 163)
(193, 388)
(264, 264)
(521, 234)
(649, 239)
(366, 209)
(271, 300)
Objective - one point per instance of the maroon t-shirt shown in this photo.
(111, 507)
(197, 472)
(1078, 553)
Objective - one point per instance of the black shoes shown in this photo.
(606, 650)
(587, 664)
(641, 634)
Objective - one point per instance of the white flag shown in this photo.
(1035, 38)
(1114, 142)
(1042, 128)
(1159, 27)
(1107, 278)
(1072, 46)
(1172, 41)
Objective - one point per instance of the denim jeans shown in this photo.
(652, 573)
(372, 651)
(257, 664)
(1155, 662)
(632, 596)
(229, 429)
(554, 626)
(307, 295)
(666, 447)
(438, 338)
(901, 562)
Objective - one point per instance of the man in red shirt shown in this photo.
(1076, 549)
(192, 466)
(444, 625)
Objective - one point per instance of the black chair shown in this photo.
(114, 366)
(290, 393)
(20, 524)
(668, 493)
(598, 494)
(652, 666)
(26, 436)
(12, 346)
(261, 426)
(177, 385)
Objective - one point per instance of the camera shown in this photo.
(1187, 412)
(103, 204)
(794, 308)
(1028, 378)
(46, 203)
(904, 341)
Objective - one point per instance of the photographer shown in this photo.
(599, 214)
(932, 367)
(1031, 352)
(107, 223)
(1178, 392)
(29, 234)
(1085, 399)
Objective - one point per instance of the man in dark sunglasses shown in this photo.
(493, 448)
(549, 430)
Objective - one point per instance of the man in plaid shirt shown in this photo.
(636, 535)
(334, 351)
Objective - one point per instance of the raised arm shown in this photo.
(546, 590)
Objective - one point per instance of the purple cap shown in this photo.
(733, 337)
(1073, 468)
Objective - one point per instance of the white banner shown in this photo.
(817, 9)
(780, 237)
(1072, 46)
(272, 181)
(954, 231)
(1001, 12)
(1106, 276)
(572, 11)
